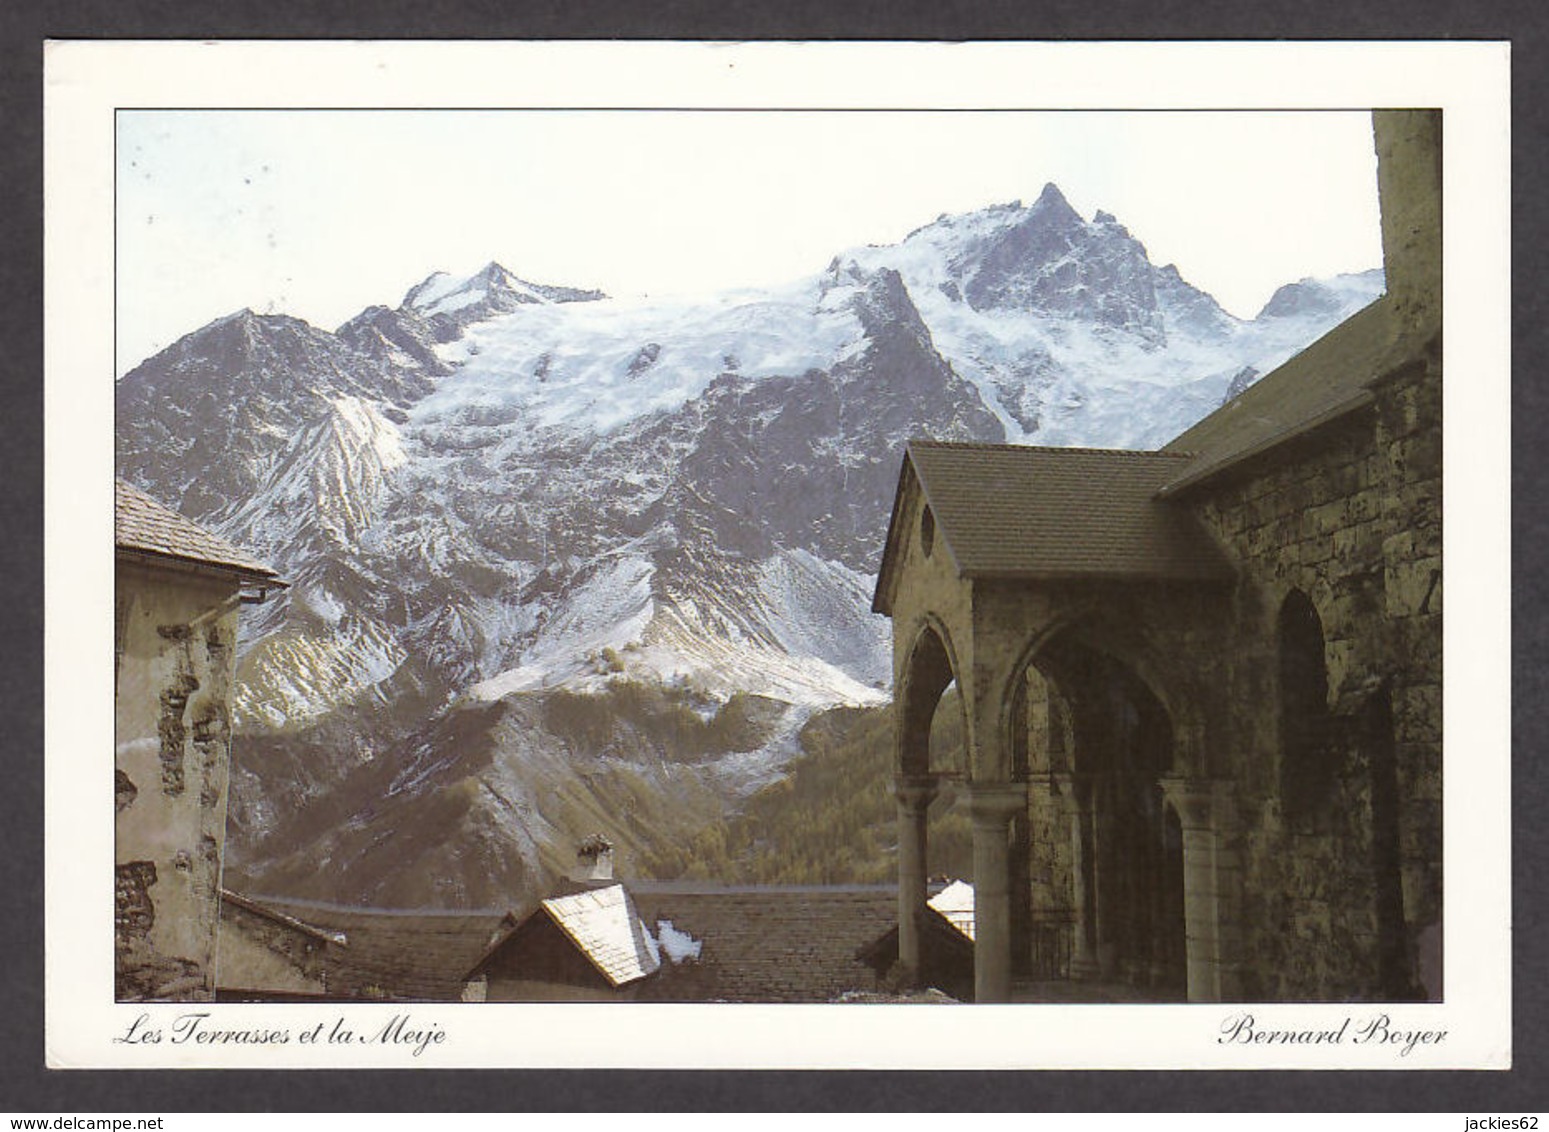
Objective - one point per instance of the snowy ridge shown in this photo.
(679, 641)
(598, 365)
(289, 680)
(1054, 378)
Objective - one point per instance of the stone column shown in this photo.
(1101, 875)
(1076, 795)
(914, 793)
(1210, 884)
(1020, 879)
(1157, 911)
(992, 806)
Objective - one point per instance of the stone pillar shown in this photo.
(1083, 945)
(992, 806)
(1210, 887)
(914, 793)
(1157, 911)
(1020, 877)
(1103, 877)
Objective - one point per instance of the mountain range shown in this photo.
(564, 564)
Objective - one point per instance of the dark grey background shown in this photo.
(24, 1083)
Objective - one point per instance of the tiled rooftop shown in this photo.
(1017, 511)
(144, 525)
(412, 955)
(955, 903)
(1326, 380)
(602, 922)
(767, 944)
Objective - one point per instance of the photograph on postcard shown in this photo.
(988, 615)
(774, 557)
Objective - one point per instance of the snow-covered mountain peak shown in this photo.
(431, 289)
(492, 289)
(441, 293)
(1051, 207)
(1323, 297)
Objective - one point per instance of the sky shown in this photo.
(318, 214)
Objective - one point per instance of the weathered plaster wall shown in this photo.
(176, 645)
(257, 953)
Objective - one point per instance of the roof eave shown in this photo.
(1209, 472)
(882, 597)
(238, 901)
(244, 574)
(1222, 576)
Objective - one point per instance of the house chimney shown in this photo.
(594, 858)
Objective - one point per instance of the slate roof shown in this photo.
(766, 943)
(1328, 380)
(231, 899)
(603, 924)
(142, 525)
(955, 904)
(1018, 511)
(417, 956)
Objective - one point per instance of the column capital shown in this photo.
(915, 791)
(996, 803)
(1195, 799)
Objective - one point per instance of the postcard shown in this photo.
(801, 555)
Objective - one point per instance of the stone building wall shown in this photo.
(175, 661)
(259, 953)
(1352, 522)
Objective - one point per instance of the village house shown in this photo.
(586, 946)
(599, 939)
(1201, 686)
(594, 939)
(178, 590)
(946, 943)
(266, 955)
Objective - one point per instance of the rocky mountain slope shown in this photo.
(562, 563)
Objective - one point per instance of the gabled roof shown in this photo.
(1017, 511)
(955, 904)
(1327, 381)
(603, 924)
(144, 526)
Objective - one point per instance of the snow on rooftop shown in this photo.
(679, 946)
(604, 925)
(956, 904)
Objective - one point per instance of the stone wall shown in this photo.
(176, 645)
(1336, 902)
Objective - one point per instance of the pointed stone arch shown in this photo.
(1306, 756)
(1101, 807)
(929, 667)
